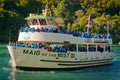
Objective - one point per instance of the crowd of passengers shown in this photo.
(59, 48)
(73, 32)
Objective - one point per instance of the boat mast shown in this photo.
(108, 27)
(88, 25)
(45, 11)
(10, 34)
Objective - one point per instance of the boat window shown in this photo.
(72, 47)
(108, 48)
(92, 48)
(82, 48)
(50, 21)
(42, 22)
(34, 22)
(100, 47)
(29, 22)
(62, 47)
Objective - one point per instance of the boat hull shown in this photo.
(37, 59)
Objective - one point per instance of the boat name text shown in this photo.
(64, 55)
(31, 52)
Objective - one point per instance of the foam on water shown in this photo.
(6, 69)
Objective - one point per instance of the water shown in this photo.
(107, 72)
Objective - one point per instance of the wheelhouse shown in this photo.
(38, 21)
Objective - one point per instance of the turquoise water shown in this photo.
(107, 72)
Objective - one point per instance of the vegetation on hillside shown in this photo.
(71, 13)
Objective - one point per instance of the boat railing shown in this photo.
(103, 40)
(97, 37)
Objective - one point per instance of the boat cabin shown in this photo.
(40, 21)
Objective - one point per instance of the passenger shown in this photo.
(68, 49)
(101, 36)
(33, 29)
(32, 45)
(28, 45)
(101, 49)
(80, 49)
(49, 30)
(56, 49)
(21, 29)
(48, 49)
(29, 29)
(42, 30)
(63, 49)
(68, 32)
(84, 49)
(88, 35)
(105, 36)
(36, 45)
(45, 29)
(72, 49)
(109, 36)
(43, 47)
(25, 30)
(17, 44)
(92, 49)
(82, 34)
(74, 33)
(22, 45)
(96, 35)
(107, 49)
(55, 30)
(98, 48)
(59, 49)
(14, 44)
(38, 29)
(92, 35)
(40, 45)
(59, 31)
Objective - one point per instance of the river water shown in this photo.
(107, 72)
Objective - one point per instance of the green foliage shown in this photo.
(72, 14)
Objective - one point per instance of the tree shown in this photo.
(69, 13)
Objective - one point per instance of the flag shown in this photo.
(87, 20)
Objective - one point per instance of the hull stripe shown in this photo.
(77, 61)
(107, 62)
(76, 67)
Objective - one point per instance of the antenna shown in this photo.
(108, 27)
(88, 26)
(10, 34)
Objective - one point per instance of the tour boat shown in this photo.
(43, 46)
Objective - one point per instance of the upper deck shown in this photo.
(42, 28)
(60, 36)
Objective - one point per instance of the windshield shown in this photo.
(34, 22)
(50, 21)
(42, 22)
